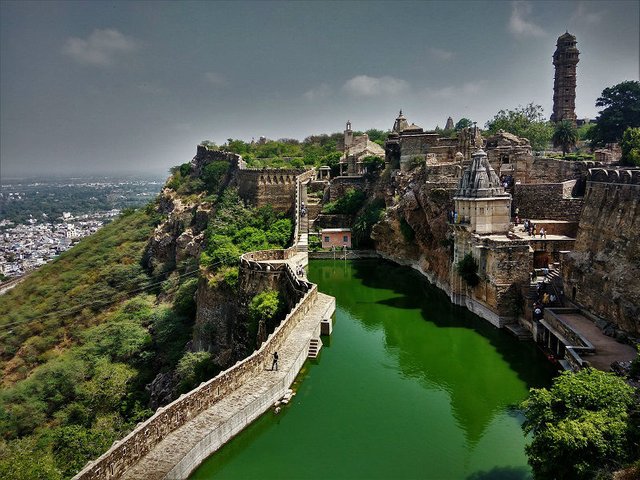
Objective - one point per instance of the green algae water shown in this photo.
(408, 386)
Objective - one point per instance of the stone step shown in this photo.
(315, 344)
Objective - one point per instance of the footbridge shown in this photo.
(179, 436)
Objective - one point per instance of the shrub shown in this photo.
(467, 268)
(348, 204)
(366, 220)
(193, 368)
(213, 173)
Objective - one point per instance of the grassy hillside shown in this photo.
(79, 340)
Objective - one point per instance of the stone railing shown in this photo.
(575, 344)
(128, 451)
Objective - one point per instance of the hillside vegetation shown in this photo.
(80, 339)
(83, 338)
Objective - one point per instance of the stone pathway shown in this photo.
(608, 349)
(159, 462)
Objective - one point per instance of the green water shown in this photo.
(408, 386)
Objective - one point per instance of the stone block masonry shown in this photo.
(547, 201)
(603, 272)
(269, 187)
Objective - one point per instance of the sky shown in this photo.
(125, 87)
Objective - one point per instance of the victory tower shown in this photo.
(565, 60)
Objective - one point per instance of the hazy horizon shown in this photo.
(112, 87)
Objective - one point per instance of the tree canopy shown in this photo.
(565, 136)
(630, 145)
(582, 417)
(528, 122)
(621, 111)
(463, 123)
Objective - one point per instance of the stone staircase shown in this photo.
(315, 344)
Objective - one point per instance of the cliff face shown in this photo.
(180, 236)
(414, 229)
(604, 268)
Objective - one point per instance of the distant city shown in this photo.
(39, 219)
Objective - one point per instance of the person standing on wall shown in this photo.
(274, 364)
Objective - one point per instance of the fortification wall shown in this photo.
(126, 452)
(269, 187)
(547, 201)
(205, 156)
(340, 185)
(603, 272)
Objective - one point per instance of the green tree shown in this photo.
(584, 418)
(527, 122)
(630, 145)
(265, 305)
(463, 123)
(363, 225)
(621, 111)
(377, 136)
(565, 136)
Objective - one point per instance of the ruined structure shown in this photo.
(409, 144)
(356, 148)
(565, 60)
(449, 125)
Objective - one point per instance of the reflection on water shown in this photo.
(409, 386)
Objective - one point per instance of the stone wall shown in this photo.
(340, 185)
(126, 452)
(503, 267)
(603, 273)
(269, 187)
(205, 156)
(547, 201)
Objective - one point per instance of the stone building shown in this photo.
(565, 60)
(481, 202)
(356, 148)
(409, 144)
(481, 228)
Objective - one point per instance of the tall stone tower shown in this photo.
(565, 60)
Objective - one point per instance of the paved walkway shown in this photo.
(159, 462)
(608, 349)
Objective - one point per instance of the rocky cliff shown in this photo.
(414, 228)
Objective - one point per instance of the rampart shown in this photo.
(603, 272)
(205, 156)
(275, 187)
(614, 175)
(552, 201)
(128, 451)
